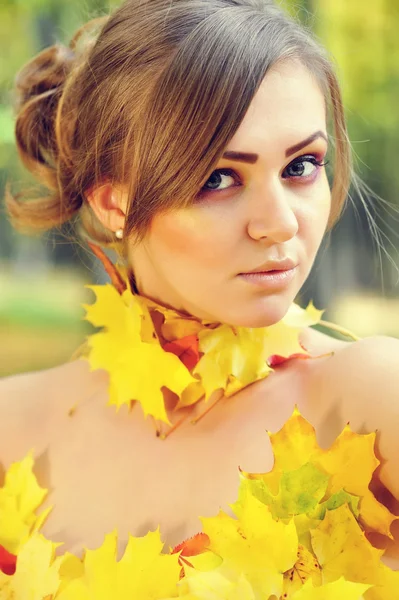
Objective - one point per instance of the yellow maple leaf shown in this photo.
(306, 567)
(215, 585)
(20, 497)
(37, 572)
(300, 491)
(175, 325)
(343, 550)
(228, 352)
(349, 463)
(129, 349)
(254, 544)
(192, 394)
(387, 588)
(283, 337)
(327, 492)
(338, 590)
(234, 357)
(143, 572)
(302, 317)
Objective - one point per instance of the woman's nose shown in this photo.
(272, 215)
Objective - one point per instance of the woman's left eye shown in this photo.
(303, 167)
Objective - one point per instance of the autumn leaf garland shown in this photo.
(298, 533)
(192, 358)
(129, 349)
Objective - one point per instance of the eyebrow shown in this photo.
(249, 157)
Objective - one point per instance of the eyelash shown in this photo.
(311, 158)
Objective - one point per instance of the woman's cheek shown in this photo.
(184, 236)
(315, 217)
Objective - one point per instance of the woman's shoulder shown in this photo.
(363, 374)
(31, 404)
(366, 365)
(317, 342)
(360, 385)
(18, 392)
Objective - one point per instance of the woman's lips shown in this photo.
(270, 279)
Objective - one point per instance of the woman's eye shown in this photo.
(220, 180)
(303, 167)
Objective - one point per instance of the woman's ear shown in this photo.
(109, 203)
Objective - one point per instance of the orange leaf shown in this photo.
(275, 359)
(193, 546)
(186, 349)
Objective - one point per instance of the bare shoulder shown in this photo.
(361, 386)
(317, 342)
(31, 404)
(368, 365)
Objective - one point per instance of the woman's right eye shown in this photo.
(219, 181)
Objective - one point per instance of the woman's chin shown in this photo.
(262, 314)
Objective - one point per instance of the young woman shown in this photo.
(192, 137)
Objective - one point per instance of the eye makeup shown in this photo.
(317, 160)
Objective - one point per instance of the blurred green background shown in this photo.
(42, 278)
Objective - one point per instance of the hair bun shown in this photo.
(38, 88)
(44, 137)
(45, 72)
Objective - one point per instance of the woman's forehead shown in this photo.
(288, 107)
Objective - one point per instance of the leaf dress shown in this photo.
(300, 531)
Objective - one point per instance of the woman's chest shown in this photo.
(106, 470)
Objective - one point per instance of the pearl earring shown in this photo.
(119, 233)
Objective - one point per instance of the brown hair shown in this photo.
(151, 101)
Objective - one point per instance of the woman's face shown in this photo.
(248, 213)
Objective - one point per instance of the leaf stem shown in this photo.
(110, 268)
(339, 329)
(206, 411)
(79, 351)
(173, 428)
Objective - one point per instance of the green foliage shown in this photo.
(6, 125)
(363, 42)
